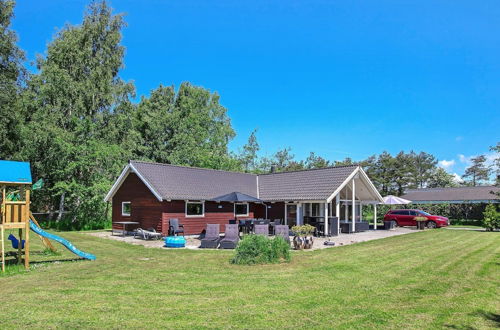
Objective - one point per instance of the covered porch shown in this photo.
(342, 212)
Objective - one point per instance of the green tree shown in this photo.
(424, 166)
(248, 156)
(154, 121)
(189, 128)
(12, 75)
(71, 136)
(404, 167)
(478, 172)
(491, 220)
(385, 173)
(496, 162)
(347, 161)
(313, 161)
(441, 179)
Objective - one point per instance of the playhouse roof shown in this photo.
(15, 172)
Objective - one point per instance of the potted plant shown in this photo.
(420, 222)
(303, 238)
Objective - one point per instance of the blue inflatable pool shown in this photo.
(175, 242)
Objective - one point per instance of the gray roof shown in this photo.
(179, 182)
(479, 193)
(317, 184)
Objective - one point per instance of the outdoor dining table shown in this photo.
(124, 226)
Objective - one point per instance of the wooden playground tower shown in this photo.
(16, 215)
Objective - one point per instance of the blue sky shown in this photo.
(340, 78)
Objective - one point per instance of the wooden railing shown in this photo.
(15, 211)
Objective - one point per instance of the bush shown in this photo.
(258, 249)
(491, 218)
(466, 222)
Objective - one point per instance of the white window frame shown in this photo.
(202, 215)
(241, 215)
(126, 214)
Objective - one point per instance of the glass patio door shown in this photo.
(291, 214)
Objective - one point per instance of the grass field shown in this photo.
(436, 278)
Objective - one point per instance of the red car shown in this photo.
(406, 218)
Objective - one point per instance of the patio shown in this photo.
(193, 242)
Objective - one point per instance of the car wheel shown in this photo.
(431, 224)
(394, 223)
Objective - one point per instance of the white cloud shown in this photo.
(446, 164)
(490, 158)
(464, 159)
(457, 178)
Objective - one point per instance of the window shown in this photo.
(241, 209)
(315, 210)
(195, 209)
(126, 208)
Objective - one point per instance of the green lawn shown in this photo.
(430, 279)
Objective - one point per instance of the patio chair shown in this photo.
(273, 224)
(282, 231)
(212, 237)
(262, 230)
(146, 234)
(231, 237)
(153, 234)
(175, 228)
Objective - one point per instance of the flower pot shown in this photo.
(298, 243)
(421, 225)
(308, 242)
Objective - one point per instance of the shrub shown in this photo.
(491, 219)
(258, 249)
(303, 230)
(280, 250)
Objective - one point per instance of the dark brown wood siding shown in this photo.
(149, 212)
(213, 214)
(145, 207)
(277, 211)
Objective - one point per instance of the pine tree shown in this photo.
(478, 172)
(248, 156)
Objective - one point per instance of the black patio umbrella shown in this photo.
(237, 197)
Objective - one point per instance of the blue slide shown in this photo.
(61, 240)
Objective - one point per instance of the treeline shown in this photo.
(392, 175)
(75, 120)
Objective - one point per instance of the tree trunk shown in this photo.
(61, 207)
(106, 211)
(77, 205)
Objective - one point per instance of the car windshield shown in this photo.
(424, 213)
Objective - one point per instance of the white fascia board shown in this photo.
(346, 181)
(150, 187)
(126, 171)
(371, 185)
(117, 184)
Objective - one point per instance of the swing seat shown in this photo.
(15, 242)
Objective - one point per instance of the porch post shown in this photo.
(360, 211)
(375, 216)
(337, 211)
(353, 205)
(298, 219)
(286, 220)
(326, 220)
